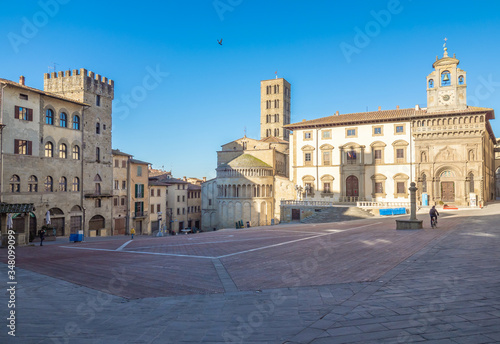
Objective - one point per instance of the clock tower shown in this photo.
(446, 85)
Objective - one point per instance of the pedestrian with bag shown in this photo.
(42, 236)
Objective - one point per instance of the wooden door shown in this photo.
(75, 224)
(120, 226)
(448, 191)
(352, 186)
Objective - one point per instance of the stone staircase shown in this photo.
(337, 214)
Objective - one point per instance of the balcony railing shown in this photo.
(140, 214)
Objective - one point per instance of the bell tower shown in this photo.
(275, 95)
(446, 85)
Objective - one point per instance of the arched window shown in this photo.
(431, 83)
(48, 184)
(76, 184)
(445, 78)
(49, 117)
(76, 122)
(471, 182)
(63, 184)
(49, 150)
(63, 120)
(32, 184)
(76, 152)
(424, 182)
(63, 151)
(97, 180)
(461, 80)
(15, 183)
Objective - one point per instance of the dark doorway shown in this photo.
(352, 186)
(295, 214)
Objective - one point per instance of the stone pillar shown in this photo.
(413, 222)
(413, 202)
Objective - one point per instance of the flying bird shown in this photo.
(220, 42)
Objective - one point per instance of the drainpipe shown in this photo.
(1, 144)
(317, 160)
(82, 150)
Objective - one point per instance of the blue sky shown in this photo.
(202, 95)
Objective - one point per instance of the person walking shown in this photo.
(42, 236)
(132, 232)
(434, 214)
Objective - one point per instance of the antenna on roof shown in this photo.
(53, 68)
(245, 131)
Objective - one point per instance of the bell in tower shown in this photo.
(446, 87)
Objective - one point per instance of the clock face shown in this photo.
(446, 98)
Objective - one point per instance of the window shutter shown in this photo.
(142, 190)
(30, 115)
(16, 111)
(16, 146)
(29, 148)
(136, 188)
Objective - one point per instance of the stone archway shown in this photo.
(450, 185)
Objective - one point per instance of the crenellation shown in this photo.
(67, 73)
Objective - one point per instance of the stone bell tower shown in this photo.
(275, 95)
(446, 85)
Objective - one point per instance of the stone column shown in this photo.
(413, 202)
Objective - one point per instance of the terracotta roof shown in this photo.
(53, 95)
(381, 116)
(273, 139)
(16, 208)
(135, 161)
(153, 181)
(118, 152)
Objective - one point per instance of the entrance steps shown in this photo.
(337, 214)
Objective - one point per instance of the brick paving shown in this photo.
(353, 282)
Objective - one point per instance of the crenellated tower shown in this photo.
(98, 92)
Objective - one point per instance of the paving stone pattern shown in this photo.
(446, 290)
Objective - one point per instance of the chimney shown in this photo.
(380, 108)
(21, 80)
(184, 178)
(417, 107)
(397, 107)
(336, 113)
(204, 179)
